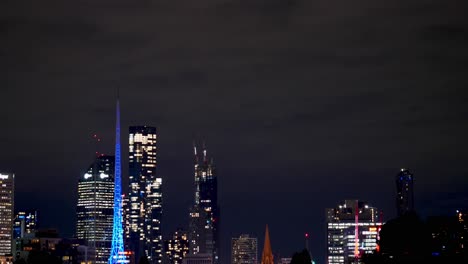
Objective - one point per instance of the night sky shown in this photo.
(302, 104)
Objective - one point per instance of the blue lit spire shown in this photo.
(117, 250)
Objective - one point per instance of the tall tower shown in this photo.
(204, 215)
(143, 232)
(117, 247)
(267, 254)
(7, 198)
(244, 250)
(405, 195)
(95, 208)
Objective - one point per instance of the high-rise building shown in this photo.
(244, 250)
(405, 196)
(204, 214)
(25, 224)
(143, 233)
(7, 198)
(177, 247)
(95, 208)
(352, 228)
(267, 254)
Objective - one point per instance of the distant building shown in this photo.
(7, 199)
(144, 205)
(285, 261)
(449, 234)
(204, 214)
(199, 258)
(95, 208)
(43, 240)
(405, 192)
(267, 254)
(177, 247)
(244, 250)
(352, 228)
(25, 224)
(65, 251)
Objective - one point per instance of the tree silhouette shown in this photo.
(302, 257)
(20, 261)
(42, 257)
(143, 260)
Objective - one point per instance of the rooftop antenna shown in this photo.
(205, 160)
(195, 152)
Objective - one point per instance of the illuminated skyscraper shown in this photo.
(177, 247)
(405, 196)
(244, 250)
(95, 208)
(117, 246)
(25, 224)
(352, 229)
(204, 214)
(7, 198)
(143, 232)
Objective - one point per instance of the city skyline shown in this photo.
(303, 104)
(205, 159)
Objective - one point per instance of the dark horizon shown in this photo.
(302, 104)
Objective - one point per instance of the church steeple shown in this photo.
(267, 255)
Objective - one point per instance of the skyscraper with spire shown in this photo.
(267, 254)
(144, 211)
(204, 214)
(117, 246)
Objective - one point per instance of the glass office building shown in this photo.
(95, 208)
(144, 205)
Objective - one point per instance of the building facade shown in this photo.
(177, 247)
(405, 192)
(352, 228)
(199, 258)
(244, 250)
(25, 224)
(95, 208)
(7, 199)
(204, 214)
(143, 215)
